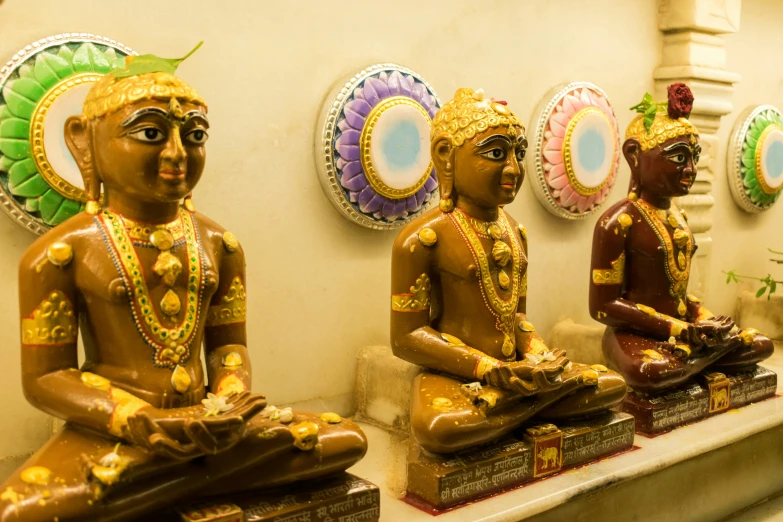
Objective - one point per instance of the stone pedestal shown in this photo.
(709, 395)
(343, 498)
(437, 482)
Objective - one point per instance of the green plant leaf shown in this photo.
(649, 116)
(32, 188)
(21, 171)
(89, 58)
(149, 63)
(761, 291)
(49, 205)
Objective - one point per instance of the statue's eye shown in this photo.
(495, 154)
(677, 158)
(197, 136)
(148, 134)
(520, 154)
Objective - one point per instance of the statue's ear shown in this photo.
(631, 151)
(79, 142)
(442, 153)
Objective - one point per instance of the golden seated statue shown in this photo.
(459, 287)
(149, 281)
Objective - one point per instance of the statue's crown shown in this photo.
(659, 122)
(142, 77)
(468, 114)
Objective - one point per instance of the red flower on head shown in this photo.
(501, 102)
(680, 101)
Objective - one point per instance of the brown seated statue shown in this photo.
(459, 285)
(658, 335)
(146, 281)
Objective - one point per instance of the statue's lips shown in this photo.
(687, 181)
(171, 175)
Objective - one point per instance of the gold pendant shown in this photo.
(501, 253)
(503, 280)
(673, 221)
(680, 238)
(681, 261)
(162, 239)
(494, 231)
(682, 309)
(170, 303)
(508, 346)
(168, 267)
(180, 379)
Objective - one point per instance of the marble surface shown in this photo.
(386, 459)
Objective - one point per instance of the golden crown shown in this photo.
(468, 114)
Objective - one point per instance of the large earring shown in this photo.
(188, 203)
(446, 205)
(93, 206)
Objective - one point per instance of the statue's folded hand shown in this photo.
(507, 377)
(711, 333)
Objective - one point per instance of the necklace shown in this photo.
(678, 247)
(171, 345)
(504, 310)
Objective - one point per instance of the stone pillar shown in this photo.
(694, 53)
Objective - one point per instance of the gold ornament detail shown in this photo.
(230, 242)
(305, 435)
(441, 404)
(168, 267)
(662, 130)
(523, 232)
(170, 343)
(484, 365)
(452, 340)
(677, 270)
(111, 94)
(92, 207)
(232, 308)
(468, 114)
(446, 205)
(503, 280)
(170, 304)
(331, 418)
(526, 326)
(625, 220)
(59, 253)
(53, 322)
(504, 310)
(501, 253)
(427, 237)
(693, 299)
(613, 276)
(232, 360)
(180, 379)
(748, 336)
(95, 381)
(230, 385)
(417, 300)
(649, 310)
(37, 476)
(600, 368)
(188, 203)
(125, 405)
(162, 239)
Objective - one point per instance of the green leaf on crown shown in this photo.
(149, 63)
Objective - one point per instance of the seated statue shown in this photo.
(459, 286)
(658, 335)
(149, 281)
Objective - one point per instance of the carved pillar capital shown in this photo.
(694, 53)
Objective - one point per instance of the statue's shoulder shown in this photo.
(60, 245)
(216, 236)
(622, 214)
(424, 230)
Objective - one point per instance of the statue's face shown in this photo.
(151, 151)
(489, 168)
(669, 169)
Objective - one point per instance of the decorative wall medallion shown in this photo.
(755, 159)
(577, 150)
(372, 146)
(40, 87)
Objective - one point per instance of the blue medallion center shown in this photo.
(592, 150)
(773, 163)
(402, 144)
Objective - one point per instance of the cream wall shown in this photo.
(318, 285)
